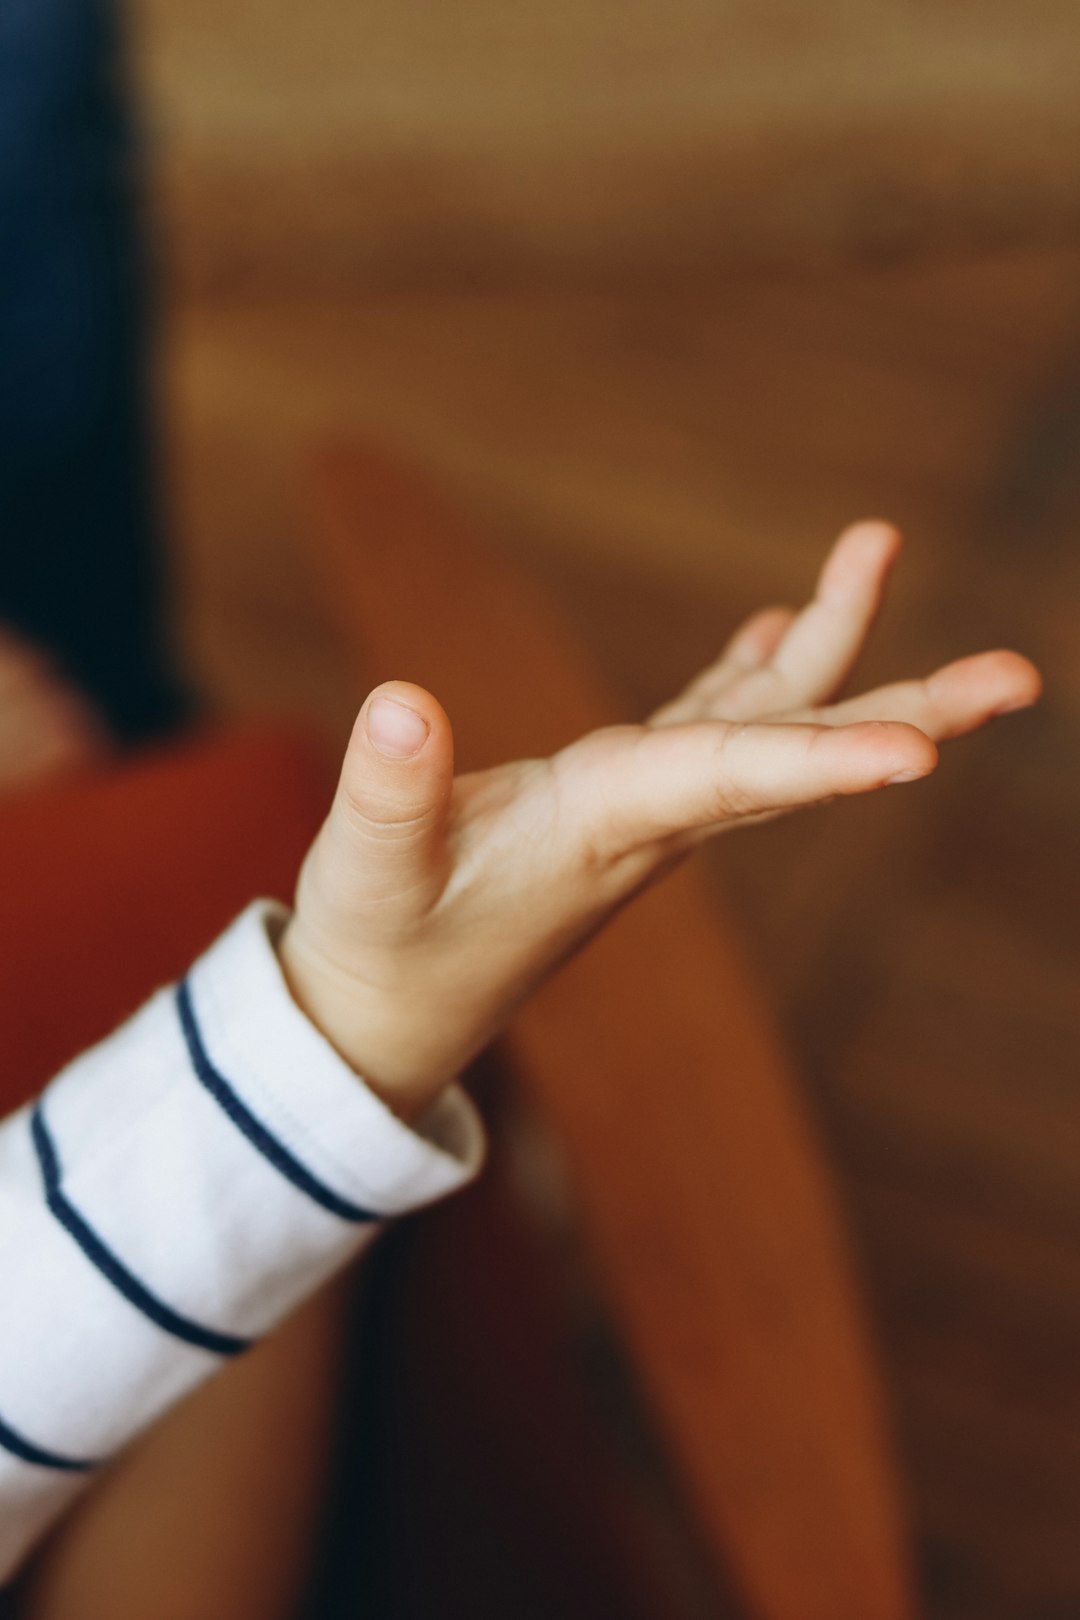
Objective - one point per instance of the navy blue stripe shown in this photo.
(255, 1131)
(15, 1443)
(101, 1256)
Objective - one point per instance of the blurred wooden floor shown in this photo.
(667, 462)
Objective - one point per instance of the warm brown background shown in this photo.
(403, 138)
(668, 292)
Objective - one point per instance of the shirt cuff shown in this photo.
(288, 1078)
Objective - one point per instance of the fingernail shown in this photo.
(395, 729)
(904, 776)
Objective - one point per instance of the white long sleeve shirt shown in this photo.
(171, 1196)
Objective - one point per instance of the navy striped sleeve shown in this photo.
(175, 1194)
(109, 1264)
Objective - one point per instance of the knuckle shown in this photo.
(595, 856)
(727, 797)
(818, 738)
(383, 820)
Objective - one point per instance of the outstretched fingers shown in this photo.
(817, 653)
(956, 699)
(780, 661)
(752, 645)
(681, 779)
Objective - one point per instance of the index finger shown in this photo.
(708, 774)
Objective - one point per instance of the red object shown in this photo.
(112, 882)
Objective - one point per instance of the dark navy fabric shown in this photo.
(79, 545)
(18, 1446)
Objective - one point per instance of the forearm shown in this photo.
(174, 1194)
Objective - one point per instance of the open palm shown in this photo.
(429, 907)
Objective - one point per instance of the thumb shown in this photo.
(384, 842)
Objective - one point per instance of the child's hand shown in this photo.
(428, 908)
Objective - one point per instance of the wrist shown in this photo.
(375, 1035)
